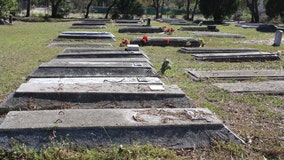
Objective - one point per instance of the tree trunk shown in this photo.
(28, 8)
(254, 10)
(156, 6)
(88, 9)
(109, 8)
(187, 10)
(194, 10)
(162, 9)
(54, 7)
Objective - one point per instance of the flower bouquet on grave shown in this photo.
(124, 42)
(144, 39)
(169, 31)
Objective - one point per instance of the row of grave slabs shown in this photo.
(102, 97)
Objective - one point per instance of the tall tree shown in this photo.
(134, 7)
(156, 4)
(218, 9)
(275, 8)
(253, 7)
(112, 3)
(28, 14)
(54, 7)
(187, 9)
(162, 8)
(88, 9)
(194, 10)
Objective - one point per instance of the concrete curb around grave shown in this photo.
(171, 128)
(215, 50)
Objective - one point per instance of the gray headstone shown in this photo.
(278, 38)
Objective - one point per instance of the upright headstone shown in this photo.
(148, 21)
(278, 38)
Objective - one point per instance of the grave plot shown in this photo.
(81, 45)
(81, 35)
(85, 60)
(268, 28)
(89, 25)
(84, 53)
(166, 41)
(174, 21)
(216, 50)
(267, 87)
(216, 34)
(171, 128)
(125, 22)
(108, 20)
(237, 57)
(92, 69)
(199, 28)
(141, 30)
(236, 74)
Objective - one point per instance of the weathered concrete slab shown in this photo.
(247, 56)
(70, 50)
(90, 45)
(100, 54)
(107, 20)
(90, 23)
(129, 24)
(236, 74)
(40, 96)
(172, 128)
(95, 65)
(78, 35)
(127, 21)
(114, 80)
(216, 34)
(141, 30)
(268, 87)
(87, 26)
(167, 41)
(134, 60)
(216, 50)
(173, 21)
(198, 28)
(73, 72)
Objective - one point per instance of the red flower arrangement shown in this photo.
(124, 42)
(167, 40)
(144, 39)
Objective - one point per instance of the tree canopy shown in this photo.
(7, 7)
(218, 9)
(275, 8)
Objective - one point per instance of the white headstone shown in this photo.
(278, 38)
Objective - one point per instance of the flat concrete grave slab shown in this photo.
(40, 96)
(216, 34)
(133, 60)
(247, 56)
(95, 71)
(84, 45)
(71, 50)
(268, 87)
(101, 54)
(172, 128)
(216, 50)
(90, 23)
(199, 28)
(236, 74)
(167, 41)
(86, 35)
(127, 21)
(141, 30)
(108, 20)
(87, 26)
(96, 80)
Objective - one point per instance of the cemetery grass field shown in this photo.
(257, 119)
